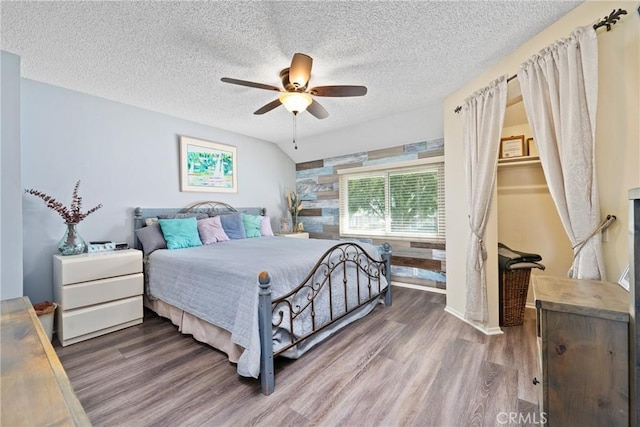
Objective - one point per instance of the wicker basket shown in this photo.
(514, 285)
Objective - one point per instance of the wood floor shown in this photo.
(409, 364)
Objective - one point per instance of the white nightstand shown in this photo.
(97, 293)
(304, 235)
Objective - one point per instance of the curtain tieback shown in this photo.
(483, 252)
(604, 224)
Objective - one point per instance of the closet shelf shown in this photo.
(519, 161)
(523, 188)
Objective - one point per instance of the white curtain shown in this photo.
(560, 93)
(483, 120)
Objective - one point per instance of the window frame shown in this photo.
(411, 166)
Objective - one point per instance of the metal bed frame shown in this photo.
(272, 312)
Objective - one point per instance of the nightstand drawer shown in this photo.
(98, 291)
(86, 267)
(90, 319)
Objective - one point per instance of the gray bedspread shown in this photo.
(218, 283)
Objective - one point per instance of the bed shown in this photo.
(258, 298)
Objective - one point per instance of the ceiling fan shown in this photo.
(295, 95)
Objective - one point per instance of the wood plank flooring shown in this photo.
(409, 364)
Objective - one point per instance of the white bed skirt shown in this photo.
(202, 331)
(220, 338)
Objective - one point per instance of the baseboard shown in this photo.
(418, 287)
(478, 326)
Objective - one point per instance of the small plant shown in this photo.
(70, 215)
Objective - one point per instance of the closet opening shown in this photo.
(527, 217)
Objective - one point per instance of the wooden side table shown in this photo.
(583, 351)
(34, 386)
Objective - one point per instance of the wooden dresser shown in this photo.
(583, 351)
(35, 388)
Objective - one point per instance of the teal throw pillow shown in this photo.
(180, 233)
(251, 225)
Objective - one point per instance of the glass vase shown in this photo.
(294, 221)
(71, 243)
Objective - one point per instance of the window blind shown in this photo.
(400, 202)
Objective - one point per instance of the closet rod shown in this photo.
(607, 21)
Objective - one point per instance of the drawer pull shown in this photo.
(535, 381)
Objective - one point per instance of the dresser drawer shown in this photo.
(87, 267)
(90, 319)
(98, 291)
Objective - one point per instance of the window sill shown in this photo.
(420, 242)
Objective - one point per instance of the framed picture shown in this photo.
(532, 150)
(512, 146)
(207, 166)
(285, 226)
(624, 279)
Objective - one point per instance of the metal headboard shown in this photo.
(210, 207)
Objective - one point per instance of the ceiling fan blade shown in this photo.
(340, 91)
(300, 70)
(249, 84)
(317, 110)
(270, 106)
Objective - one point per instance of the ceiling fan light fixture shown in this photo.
(295, 102)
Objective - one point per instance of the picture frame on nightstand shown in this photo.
(285, 226)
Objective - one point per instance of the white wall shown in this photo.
(617, 143)
(11, 194)
(404, 127)
(125, 157)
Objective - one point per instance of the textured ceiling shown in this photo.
(170, 56)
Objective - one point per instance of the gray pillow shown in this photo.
(233, 226)
(151, 238)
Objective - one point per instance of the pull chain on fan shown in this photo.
(295, 129)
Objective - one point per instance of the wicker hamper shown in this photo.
(514, 285)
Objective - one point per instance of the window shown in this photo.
(400, 202)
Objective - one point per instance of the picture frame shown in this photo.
(532, 149)
(207, 166)
(285, 226)
(512, 146)
(624, 279)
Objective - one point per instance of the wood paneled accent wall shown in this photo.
(317, 184)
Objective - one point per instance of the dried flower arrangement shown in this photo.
(70, 215)
(294, 203)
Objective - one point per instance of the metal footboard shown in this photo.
(318, 291)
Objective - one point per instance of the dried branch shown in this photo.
(70, 215)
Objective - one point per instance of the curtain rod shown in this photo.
(607, 21)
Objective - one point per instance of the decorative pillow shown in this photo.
(251, 225)
(211, 231)
(180, 232)
(151, 238)
(179, 215)
(265, 226)
(233, 226)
